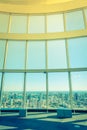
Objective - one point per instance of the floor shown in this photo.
(42, 121)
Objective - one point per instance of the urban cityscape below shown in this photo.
(39, 100)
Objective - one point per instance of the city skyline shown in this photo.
(39, 100)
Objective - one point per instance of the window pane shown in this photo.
(58, 90)
(55, 23)
(36, 90)
(18, 24)
(74, 21)
(12, 96)
(4, 19)
(2, 51)
(15, 55)
(79, 88)
(36, 24)
(78, 52)
(36, 55)
(56, 54)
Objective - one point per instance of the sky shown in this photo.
(37, 81)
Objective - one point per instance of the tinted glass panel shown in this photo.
(58, 90)
(15, 55)
(4, 21)
(55, 23)
(79, 88)
(18, 24)
(36, 90)
(36, 55)
(13, 90)
(36, 24)
(56, 54)
(74, 21)
(78, 52)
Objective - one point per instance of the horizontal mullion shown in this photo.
(46, 36)
(42, 70)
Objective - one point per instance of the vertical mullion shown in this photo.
(69, 73)
(46, 75)
(26, 50)
(6, 47)
(4, 63)
(64, 21)
(9, 25)
(47, 91)
(27, 23)
(67, 54)
(46, 62)
(5, 54)
(46, 49)
(70, 87)
(68, 63)
(84, 17)
(24, 92)
(2, 82)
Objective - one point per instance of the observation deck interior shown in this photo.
(43, 63)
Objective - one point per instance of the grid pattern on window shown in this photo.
(35, 73)
(39, 24)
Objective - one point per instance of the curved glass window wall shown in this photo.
(43, 74)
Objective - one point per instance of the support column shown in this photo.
(47, 91)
